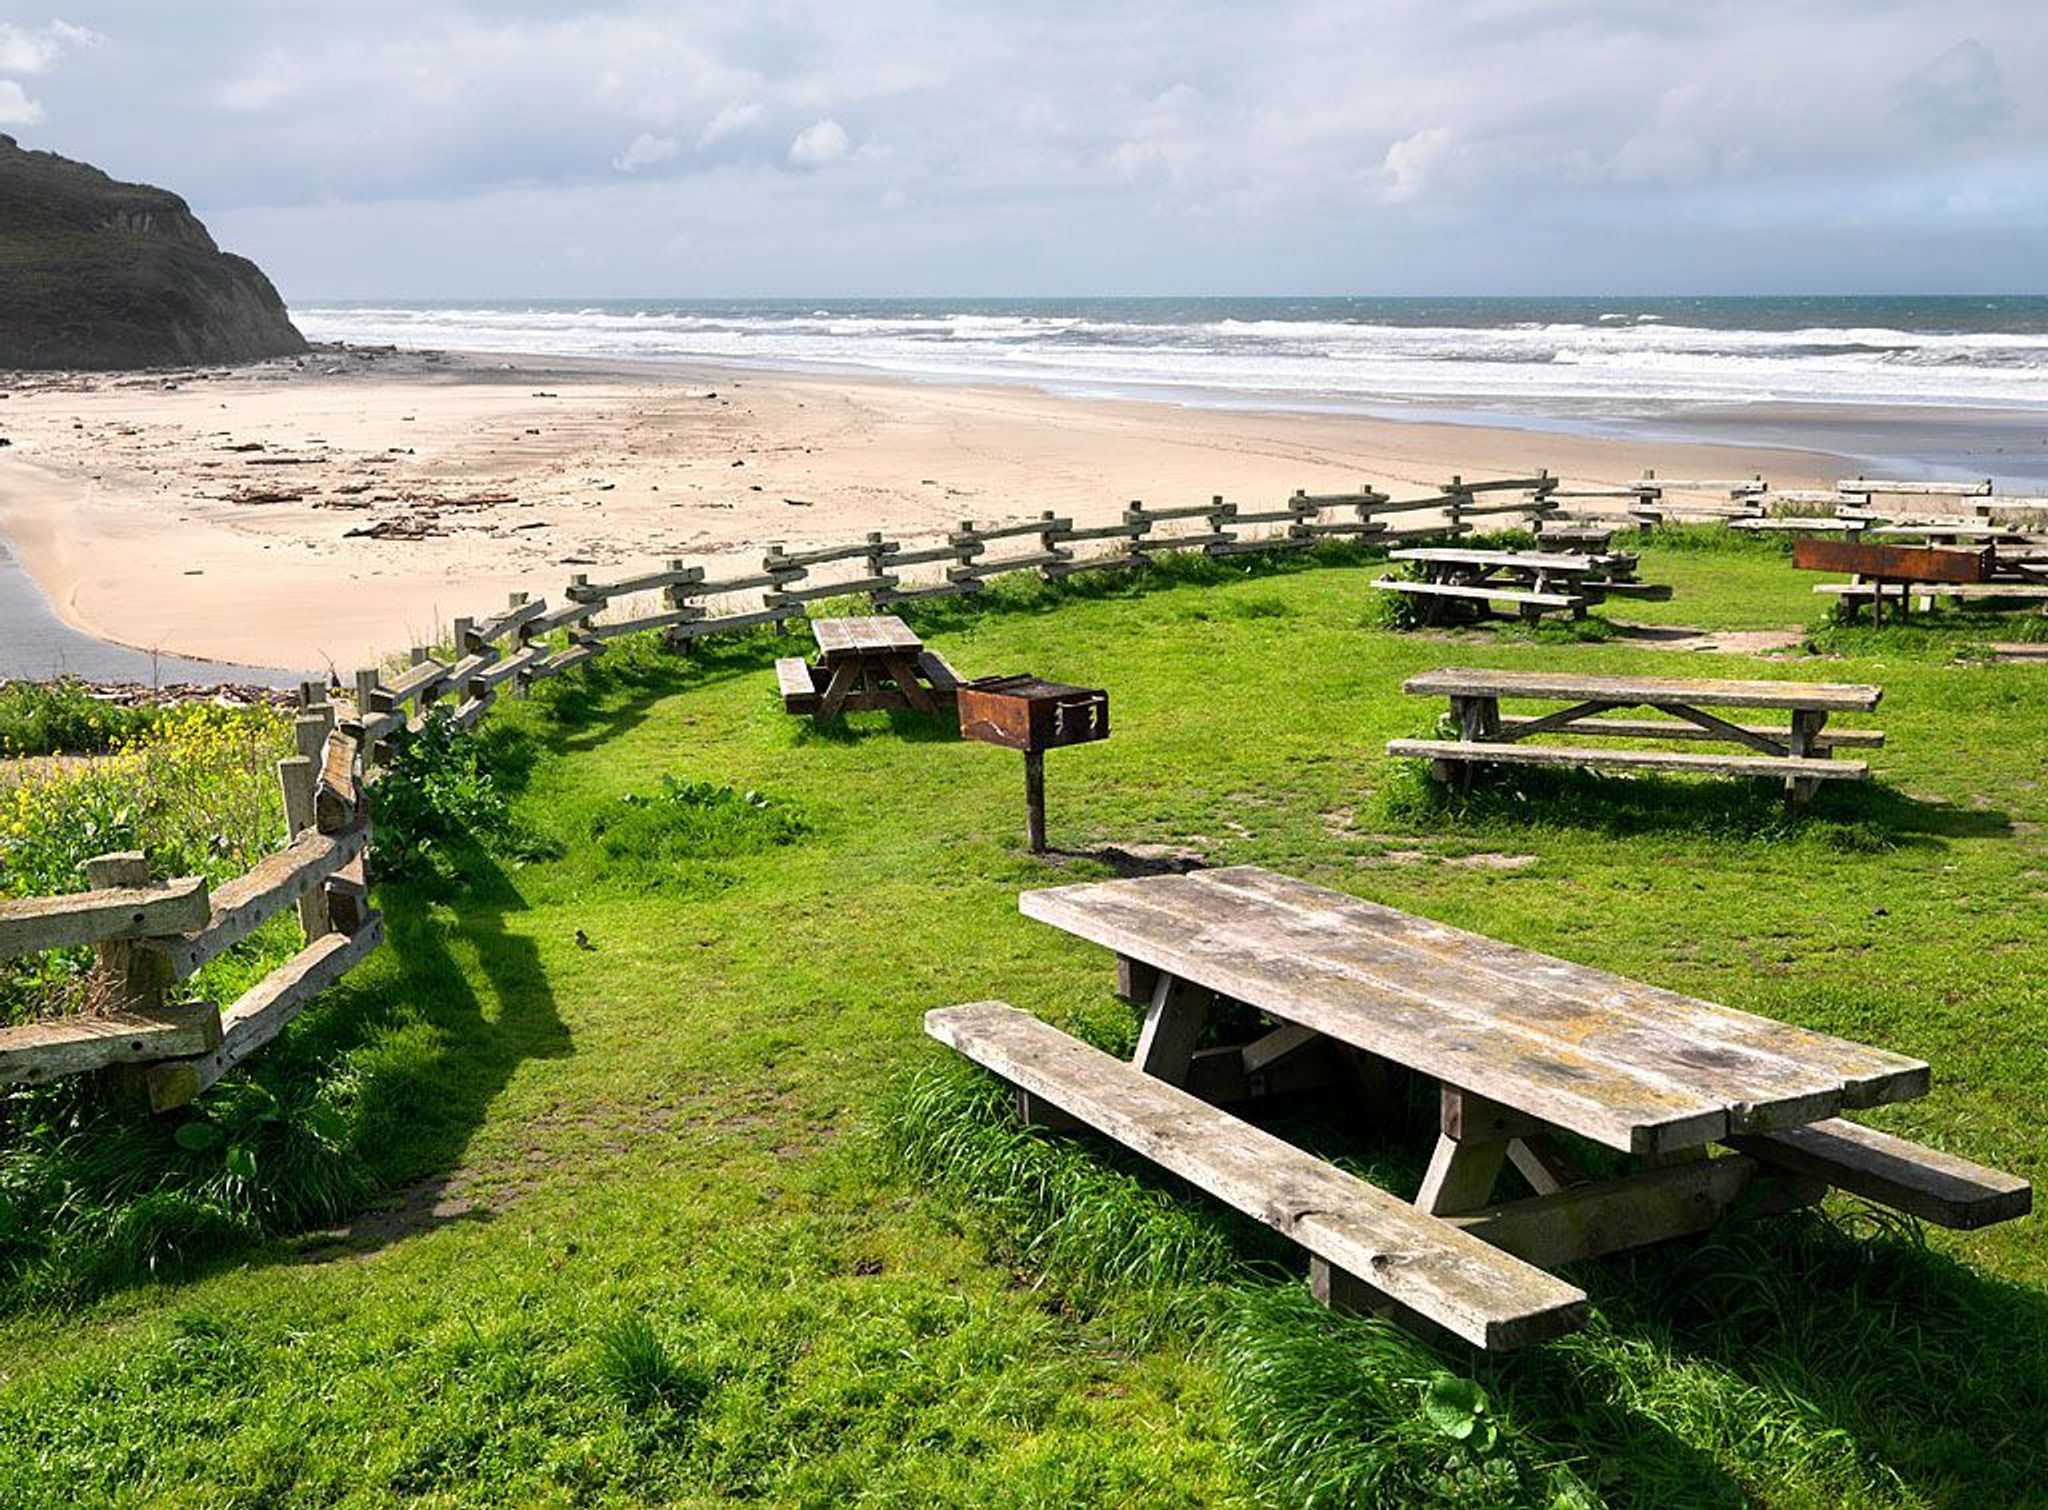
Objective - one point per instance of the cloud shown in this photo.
(1415, 164)
(1959, 94)
(731, 119)
(32, 50)
(1328, 144)
(644, 151)
(16, 108)
(819, 143)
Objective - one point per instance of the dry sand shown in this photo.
(219, 513)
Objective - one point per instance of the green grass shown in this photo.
(688, 1210)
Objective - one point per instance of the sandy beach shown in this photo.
(331, 511)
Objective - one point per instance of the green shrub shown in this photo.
(438, 798)
(64, 718)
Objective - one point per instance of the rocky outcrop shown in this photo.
(97, 273)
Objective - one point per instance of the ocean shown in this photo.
(1831, 373)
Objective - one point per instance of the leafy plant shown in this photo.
(437, 794)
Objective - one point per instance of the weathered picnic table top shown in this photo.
(881, 634)
(1694, 692)
(1628, 1065)
(1565, 563)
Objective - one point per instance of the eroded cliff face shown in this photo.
(97, 273)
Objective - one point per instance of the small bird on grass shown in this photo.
(583, 940)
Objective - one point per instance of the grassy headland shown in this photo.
(672, 1201)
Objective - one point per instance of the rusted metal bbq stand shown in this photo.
(1029, 714)
(1893, 568)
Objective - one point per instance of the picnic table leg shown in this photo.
(1471, 1146)
(1174, 1019)
(1805, 744)
(904, 674)
(845, 677)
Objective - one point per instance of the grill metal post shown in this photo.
(1034, 799)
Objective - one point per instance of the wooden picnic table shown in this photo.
(874, 662)
(1524, 1047)
(1800, 752)
(1993, 570)
(1465, 584)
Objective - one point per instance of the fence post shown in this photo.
(135, 979)
(300, 778)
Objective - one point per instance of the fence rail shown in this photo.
(148, 935)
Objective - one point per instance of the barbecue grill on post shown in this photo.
(1033, 715)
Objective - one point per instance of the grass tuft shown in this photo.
(636, 1368)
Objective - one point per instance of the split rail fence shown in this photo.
(149, 935)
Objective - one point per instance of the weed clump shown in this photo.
(668, 840)
(638, 1369)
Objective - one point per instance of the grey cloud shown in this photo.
(1960, 93)
(1124, 145)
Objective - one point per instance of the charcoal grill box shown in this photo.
(1029, 714)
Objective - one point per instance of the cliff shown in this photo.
(98, 273)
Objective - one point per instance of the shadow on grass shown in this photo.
(440, 1050)
(1848, 816)
(905, 724)
(1810, 1358)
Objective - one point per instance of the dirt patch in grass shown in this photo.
(1724, 641)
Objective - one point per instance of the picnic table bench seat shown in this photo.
(1491, 751)
(797, 684)
(1502, 594)
(1724, 1114)
(1801, 753)
(1420, 1262)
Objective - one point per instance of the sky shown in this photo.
(513, 149)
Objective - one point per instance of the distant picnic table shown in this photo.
(1524, 1047)
(1800, 752)
(2003, 566)
(1460, 585)
(872, 662)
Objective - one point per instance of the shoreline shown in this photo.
(210, 512)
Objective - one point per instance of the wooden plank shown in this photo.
(696, 628)
(262, 1012)
(564, 617)
(35, 1052)
(824, 590)
(1651, 728)
(1502, 594)
(1974, 591)
(337, 800)
(243, 905)
(1476, 682)
(1562, 563)
(986, 567)
(1404, 1021)
(1460, 1283)
(1626, 1064)
(416, 681)
(626, 587)
(1653, 1206)
(1924, 1182)
(31, 925)
(1630, 760)
(1980, 488)
(793, 682)
(1868, 1076)
(663, 620)
(513, 618)
(872, 635)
